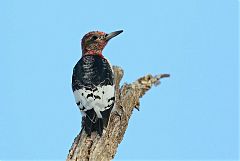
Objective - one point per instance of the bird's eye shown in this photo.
(106, 35)
(94, 37)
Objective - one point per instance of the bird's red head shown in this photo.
(94, 42)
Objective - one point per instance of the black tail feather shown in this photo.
(92, 123)
(99, 126)
(105, 116)
(88, 126)
(90, 120)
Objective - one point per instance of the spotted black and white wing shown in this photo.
(93, 88)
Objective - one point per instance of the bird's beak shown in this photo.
(113, 34)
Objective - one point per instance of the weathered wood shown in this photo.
(104, 148)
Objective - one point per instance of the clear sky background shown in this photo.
(191, 116)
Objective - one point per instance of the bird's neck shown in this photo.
(92, 52)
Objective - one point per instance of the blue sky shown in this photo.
(191, 116)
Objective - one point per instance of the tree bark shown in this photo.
(96, 148)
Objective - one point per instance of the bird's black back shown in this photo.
(91, 71)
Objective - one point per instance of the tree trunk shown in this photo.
(96, 148)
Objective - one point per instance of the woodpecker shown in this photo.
(93, 82)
